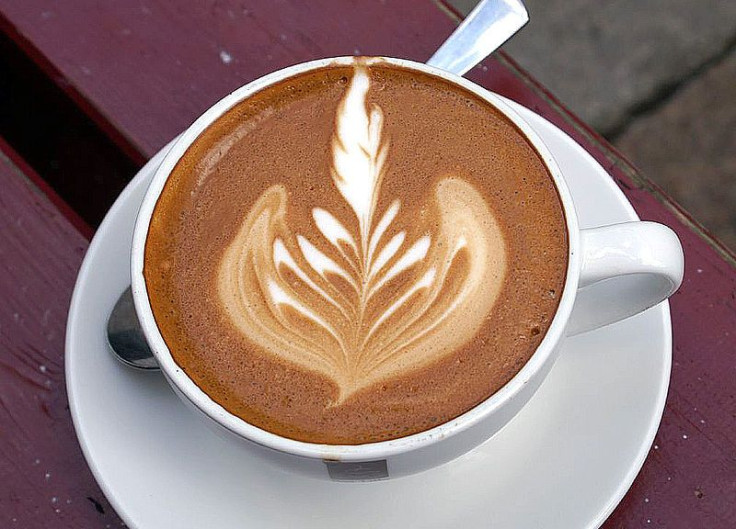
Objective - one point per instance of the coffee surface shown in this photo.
(356, 254)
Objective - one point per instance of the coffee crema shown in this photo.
(356, 254)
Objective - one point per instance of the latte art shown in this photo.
(353, 298)
(355, 253)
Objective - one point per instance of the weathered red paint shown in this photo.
(44, 479)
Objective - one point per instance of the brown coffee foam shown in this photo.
(202, 208)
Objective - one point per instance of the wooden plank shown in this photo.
(145, 69)
(45, 480)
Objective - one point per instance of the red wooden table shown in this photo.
(132, 75)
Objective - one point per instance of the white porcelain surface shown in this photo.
(565, 461)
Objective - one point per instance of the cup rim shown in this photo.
(367, 451)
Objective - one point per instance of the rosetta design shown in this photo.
(356, 300)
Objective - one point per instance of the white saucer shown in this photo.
(564, 462)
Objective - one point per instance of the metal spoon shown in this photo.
(484, 30)
(125, 336)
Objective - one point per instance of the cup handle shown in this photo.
(625, 268)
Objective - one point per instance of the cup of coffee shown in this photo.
(362, 268)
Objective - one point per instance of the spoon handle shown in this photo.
(483, 31)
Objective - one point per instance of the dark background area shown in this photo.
(57, 138)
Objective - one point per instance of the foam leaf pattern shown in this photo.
(355, 300)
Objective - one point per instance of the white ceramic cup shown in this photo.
(613, 272)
